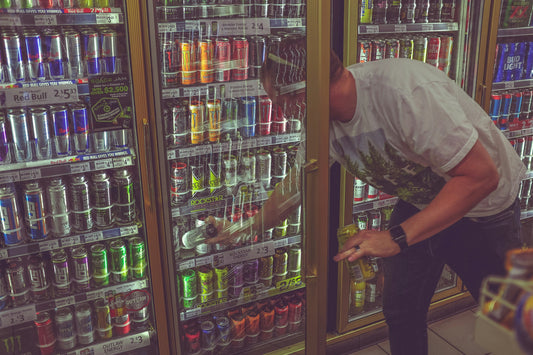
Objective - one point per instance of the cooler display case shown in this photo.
(75, 265)
(438, 33)
(222, 146)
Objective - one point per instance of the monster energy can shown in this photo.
(61, 278)
(119, 261)
(101, 199)
(137, 257)
(81, 208)
(81, 268)
(124, 196)
(58, 207)
(99, 265)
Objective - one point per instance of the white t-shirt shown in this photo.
(413, 124)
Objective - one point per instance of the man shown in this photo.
(405, 128)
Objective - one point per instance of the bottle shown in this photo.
(358, 290)
(198, 235)
(361, 268)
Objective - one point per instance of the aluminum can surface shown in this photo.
(58, 207)
(101, 202)
(73, 54)
(279, 162)
(61, 278)
(392, 48)
(109, 40)
(179, 183)
(433, 51)
(229, 117)
(35, 208)
(507, 99)
(206, 51)
(85, 4)
(364, 48)
(266, 265)
(239, 55)
(3, 291)
(280, 261)
(224, 330)
(81, 275)
(137, 258)
(192, 340)
(379, 11)
(189, 284)
(13, 57)
(365, 12)
(197, 112)
(54, 55)
(393, 11)
(18, 286)
(247, 168)
(91, 51)
(406, 48)
(84, 323)
(104, 326)
(294, 259)
(420, 48)
(281, 317)
(66, 335)
(198, 181)
(80, 203)
(100, 265)
(448, 11)
(4, 147)
(214, 171)
(222, 59)
(10, 224)
(18, 123)
(119, 261)
(188, 60)
(251, 271)
(407, 12)
(516, 102)
(527, 96)
(435, 11)
(378, 49)
(39, 283)
(123, 196)
(46, 337)
(169, 57)
(178, 125)
(445, 54)
(213, 114)
(61, 128)
(502, 51)
(80, 123)
(257, 49)
(422, 11)
(264, 115)
(230, 170)
(247, 112)
(34, 55)
(42, 137)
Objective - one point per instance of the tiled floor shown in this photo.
(450, 336)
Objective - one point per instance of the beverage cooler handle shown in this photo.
(149, 159)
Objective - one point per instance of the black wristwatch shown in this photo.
(398, 235)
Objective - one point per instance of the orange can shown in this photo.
(188, 62)
(213, 113)
(207, 71)
(197, 110)
(238, 326)
(252, 323)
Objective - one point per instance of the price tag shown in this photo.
(171, 93)
(10, 176)
(509, 84)
(65, 301)
(294, 239)
(264, 249)
(261, 26)
(17, 316)
(80, 168)
(122, 162)
(137, 341)
(189, 264)
(427, 27)
(45, 20)
(218, 259)
(171, 154)
(30, 174)
(107, 18)
(9, 21)
(70, 241)
(3, 254)
(280, 243)
(130, 230)
(372, 29)
(206, 260)
(167, 27)
(193, 313)
(92, 295)
(400, 28)
(294, 22)
(49, 245)
(41, 95)
(103, 164)
(93, 237)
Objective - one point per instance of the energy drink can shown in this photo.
(123, 195)
(188, 60)
(365, 12)
(205, 276)
(18, 286)
(73, 54)
(378, 49)
(392, 48)
(18, 123)
(264, 168)
(214, 171)
(280, 261)
(222, 59)
(14, 62)
(230, 116)
(104, 327)
(80, 261)
(192, 340)
(84, 323)
(206, 50)
(248, 168)
(35, 208)
(80, 123)
(178, 124)
(516, 102)
(54, 55)
(433, 50)
(119, 261)
(43, 4)
(179, 183)
(10, 224)
(279, 121)
(189, 284)
(221, 278)
(264, 115)
(110, 60)
(230, 170)
(41, 132)
(102, 204)
(4, 144)
(45, 333)
(420, 48)
(66, 335)
(224, 330)
(35, 56)
(61, 128)
(99, 262)
(239, 55)
(247, 111)
(137, 258)
(422, 11)
(406, 48)
(507, 99)
(364, 48)
(169, 63)
(91, 51)
(80, 203)
(279, 163)
(213, 114)
(197, 112)
(251, 272)
(257, 48)
(61, 278)
(445, 54)
(209, 338)
(39, 283)
(198, 183)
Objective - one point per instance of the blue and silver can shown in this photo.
(80, 122)
(42, 136)
(60, 122)
(247, 112)
(35, 56)
(507, 98)
(495, 105)
(224, 329)
(35, 209)
(109, 51)
(73, 54)
(18, 122)
(502, 50)
(54, 55)
(4, 144)
(14, 61)
(91, 49)
(516, 102)
(10, 225)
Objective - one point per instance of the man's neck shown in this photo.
(343, 98)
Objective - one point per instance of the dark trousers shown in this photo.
(473, 248)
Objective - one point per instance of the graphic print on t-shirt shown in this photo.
(372, 159)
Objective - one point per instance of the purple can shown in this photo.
(91, 50)
(247, 111)
(14, 62)
(10, 225)
(109, 51)
(4, 148)
(237, 275)
(502, 49)
(80, 262)
(61, 126)
(35, 55)
(54, 55)
(80, 123)
(251, 271)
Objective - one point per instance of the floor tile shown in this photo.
(459, 331)
(439, 346)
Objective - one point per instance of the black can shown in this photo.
(257, 55)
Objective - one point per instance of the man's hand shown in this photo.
(369, 243)
(229, 233)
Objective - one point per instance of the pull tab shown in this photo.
(311, 165)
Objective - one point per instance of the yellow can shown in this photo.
(361, 268)
(213, 113)
(188, 65)
(197, 110)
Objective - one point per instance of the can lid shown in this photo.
(207, 325)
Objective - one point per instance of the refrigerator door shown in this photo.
(222, 147)
(75, 265)
(419, 30)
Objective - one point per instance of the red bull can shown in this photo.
(34, 55)
(109, 52)
(35, 208)
(247, 111)
(42, 137)
(222, 59)
(54, 55)
(80, 123)
(91, 51)
(14, 62)
(73, 54)
(61, 128)
(239, 55)
(45, 333)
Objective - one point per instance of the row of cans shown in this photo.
(514, 61)
(223, 283)
(364, 192)
(85, 323)
(192, 122)
(435, 50)
(510, 107)
(526, 196)
(63, 272)
(202, 176)
(406, 11)
(230, 8)
(524, 148)
(232, 330)
(44, 132)
(57, 207)
(56, 4)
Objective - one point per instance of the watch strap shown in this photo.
(398, 236)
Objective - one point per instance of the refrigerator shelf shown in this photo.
(518, 133)
(66, 242)
(61, 17)
(509, 85)
(249, 294)
(409, 27)
(116, 345)
(239, 255)
(74, 164)
(372, 205)
(514, 32)
(250, 87)
(223, 147)
(27, 313)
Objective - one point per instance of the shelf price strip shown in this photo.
(17, 316)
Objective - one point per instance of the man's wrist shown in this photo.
(399, 237)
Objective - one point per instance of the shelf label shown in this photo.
(294, 22)
(40, 95)
(400, 28)
(17, 316)
(104, 164)
(92, 295)
(289, 283)
(30, 174)
(427, 27)
(93, 237)
(372, 29)
(189, 264)
(9, 21)
(65, 301)
(10, 176)
(509, 85)
(280, 243)
(49, 245)
(130, 230)
(119, 346)
(70, 241)
(206, 260)
(3, 254)
(167, 27)
(79, 168)
(107, 18)
(122, 162)
(171, 154)
(170, 93)
(45, 20)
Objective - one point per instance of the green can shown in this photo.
(119, 261)
(85, 4)
(5, 4)
(137, 257)
(222, 278)
(102, 3)
(99, 265)
(27, 4)
(205, 274)
(189, 284)
(295, 258)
